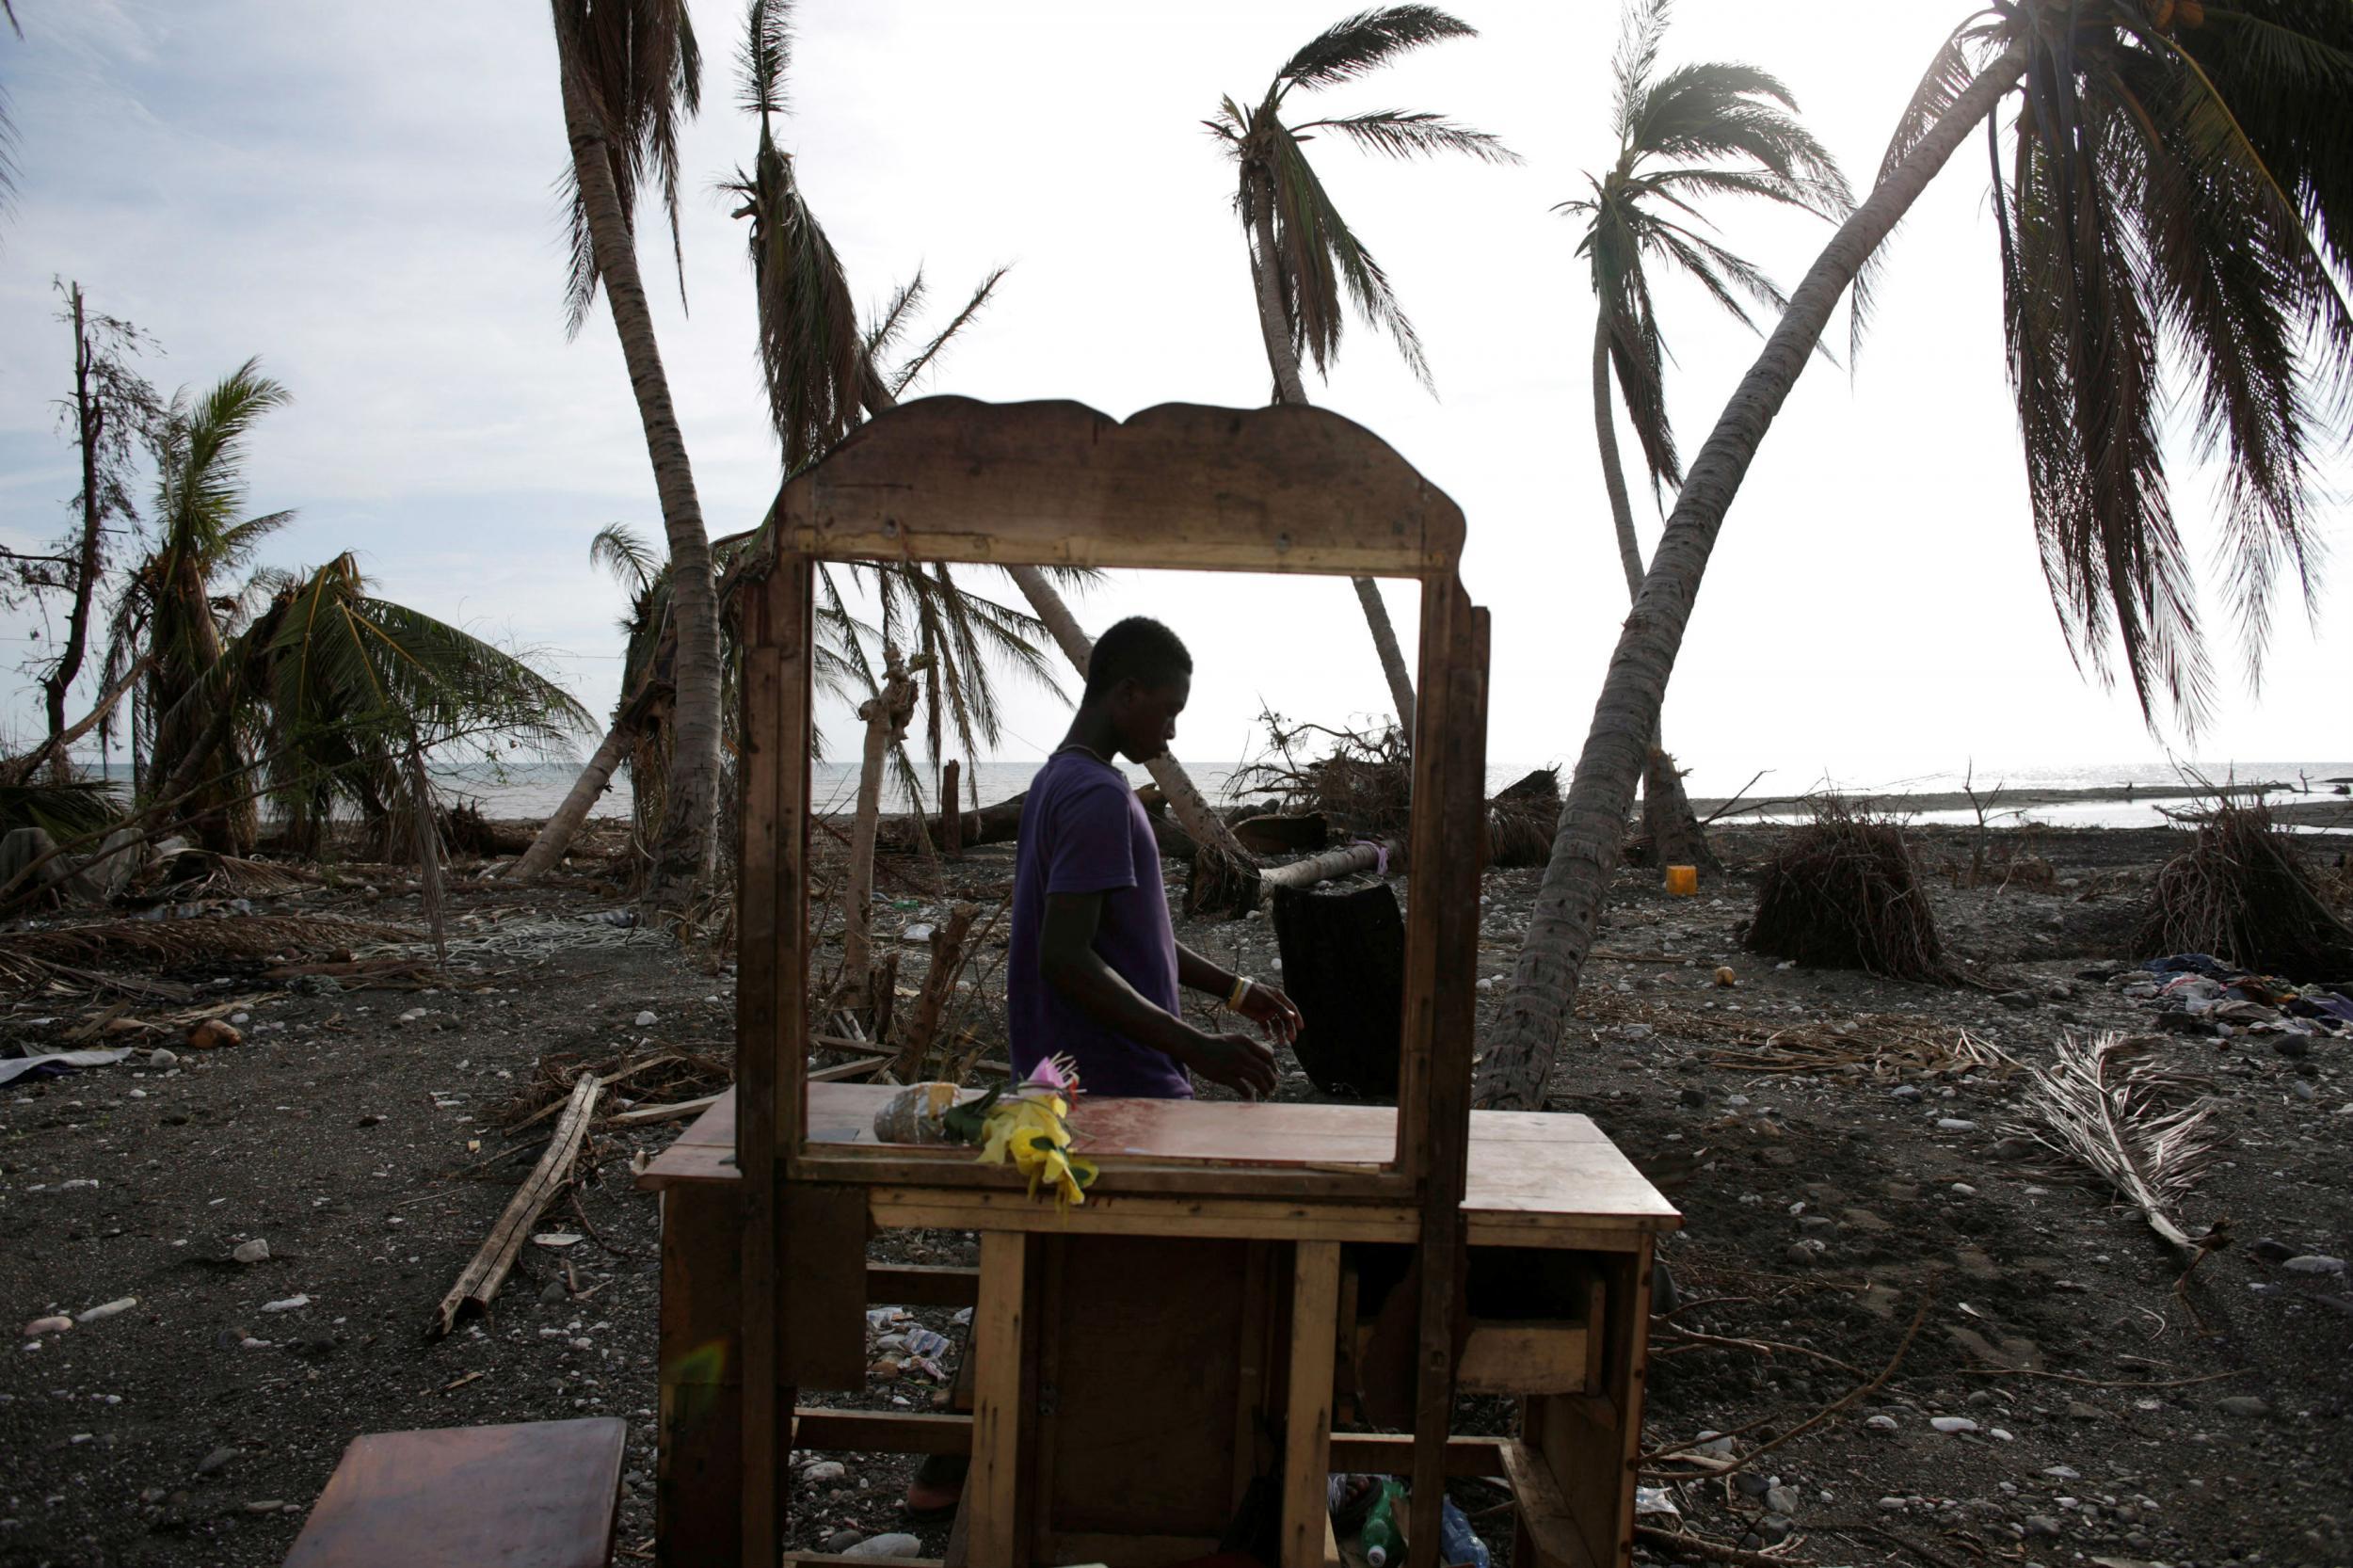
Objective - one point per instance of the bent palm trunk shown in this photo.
(682, 858)
(1518, 1058)
(1673, 828)
(1290, 388)
(555, 836)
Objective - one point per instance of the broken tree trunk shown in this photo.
(886, 718)
(547, 850)
(479, 1281)
(951, 819)
(939, 983)
(1676, 835)
(1363, 856)
(990, 825)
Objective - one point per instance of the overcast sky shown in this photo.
(362, 195)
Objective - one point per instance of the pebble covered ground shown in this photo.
(247, 1242)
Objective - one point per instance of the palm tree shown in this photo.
(172, 611)
(344, 690)
(2178, 183)
(823, 374)
(1302, 253)
(7, 125)
(631, 74)
(1698, 131)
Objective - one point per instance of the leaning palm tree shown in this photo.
(349, 692)
(2177, 187)
(630, 75)
(171, 614)
(1302, 254)
(1716, 129)
(823, 374)
(7, 125)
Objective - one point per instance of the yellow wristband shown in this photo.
(1234, 997)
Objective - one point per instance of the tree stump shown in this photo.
(1344, 965)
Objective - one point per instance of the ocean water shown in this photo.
(535, 789)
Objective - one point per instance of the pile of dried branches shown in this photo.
(657, 1075)
(160, 945)
(1844, 893)
(1364, 782)
(2145, 1130)
(2242, 893)
(1522, 818)
(1884, 1046)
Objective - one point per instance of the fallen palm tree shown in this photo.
(2144, 1130)
(2242, 893)
(1843, 892)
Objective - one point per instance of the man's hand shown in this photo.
(1274, 1014)
(1237, 1061)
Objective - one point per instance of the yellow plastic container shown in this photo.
(1683, 880)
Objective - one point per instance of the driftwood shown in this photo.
(1331, 863)
(989, 824)
(479, 1281)
(640, 1115)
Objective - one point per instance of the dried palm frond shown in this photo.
(2145, 1130)
(233, 877)
(164, 944)
(1880, 1046)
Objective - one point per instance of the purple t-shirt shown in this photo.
(1083, 831)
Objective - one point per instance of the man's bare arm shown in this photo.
(1067, 961)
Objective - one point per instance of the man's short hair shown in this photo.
(1140, 648)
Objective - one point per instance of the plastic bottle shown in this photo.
(1381, 1538)
(1459, 1546)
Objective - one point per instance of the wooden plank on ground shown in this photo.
(538, 1495)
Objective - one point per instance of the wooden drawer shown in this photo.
(1535, 1355)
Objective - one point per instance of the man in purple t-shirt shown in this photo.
(1094, 968)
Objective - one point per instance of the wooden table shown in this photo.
(1140, 1357)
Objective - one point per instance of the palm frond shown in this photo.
(1403, 133)
(906, 375)
(812, 357)
(65, 809)
(621, 551)
(1317, 255)
(1950, 70)
(1642, 30)
(1354, 45)
(764, 58)
(638, 69)
(2147, 1132)
(890, 323)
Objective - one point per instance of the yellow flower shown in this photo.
(1032, 1136)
